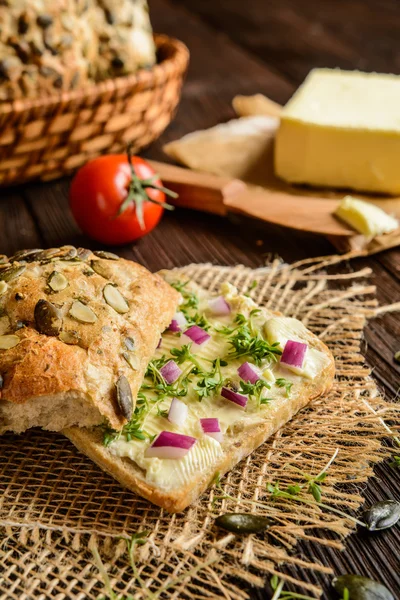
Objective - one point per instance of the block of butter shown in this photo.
(342, 129)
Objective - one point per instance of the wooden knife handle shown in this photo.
(200, 191)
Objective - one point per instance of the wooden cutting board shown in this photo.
(277, 202)
(220, 195)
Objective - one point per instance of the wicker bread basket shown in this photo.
(52, 136)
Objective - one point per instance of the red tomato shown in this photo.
(97, 194)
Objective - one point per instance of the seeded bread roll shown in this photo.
(77, 330)
(52, 45)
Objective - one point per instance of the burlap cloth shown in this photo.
(57, 507)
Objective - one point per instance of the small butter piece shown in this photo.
(342, 129)
(364, 217)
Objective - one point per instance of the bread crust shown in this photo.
(235, 447)
(44, 365)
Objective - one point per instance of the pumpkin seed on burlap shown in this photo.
(382, 515)
(243, 523)
(361, 588)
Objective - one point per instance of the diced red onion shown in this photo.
(170, 445)
(249, 372)
(197, 334)
(178, 412)
(294, 353)
(178, 322)
(219, 306)
(211, 427)
(234, 397)
(170, 371)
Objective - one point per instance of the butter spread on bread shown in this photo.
(247, 334)
(77, 330)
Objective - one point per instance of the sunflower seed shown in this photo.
(11, 273)
(130, 343)
(8, 341)
(23, 23)
(110, 17)
(47, 318)
(81, 312)
(69, 337)
(57, 281)
(243, 523)
(117, 62)
(3, 287)
(26, 255)
(106, 255)
(132, 360)
(361, 588)
(115, 299)
(124, 397)
(382, 515)
(44, 21)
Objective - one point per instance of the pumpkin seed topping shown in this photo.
(3, 287)
(26, 255)
(124, 397)
(81, 312)
(106, 255)
(69, 337)
(83, 253)
(57, 281)
(47, 318)
(115, 299)
(12, 273)
(63, 253)
(130, 343)
(8, 341)
(361, 588)
(132, 360)
(99, 268)
(243, 523)
(68, 252)
(382, 515)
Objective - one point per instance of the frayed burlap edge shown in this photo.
(57, 505)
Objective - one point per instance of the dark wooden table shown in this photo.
(249, 47)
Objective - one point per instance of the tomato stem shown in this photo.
(137, 192)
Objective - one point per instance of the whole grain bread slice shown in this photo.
(238, 443)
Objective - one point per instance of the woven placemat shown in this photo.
(57, 508)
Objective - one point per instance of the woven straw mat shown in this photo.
(65, 523)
